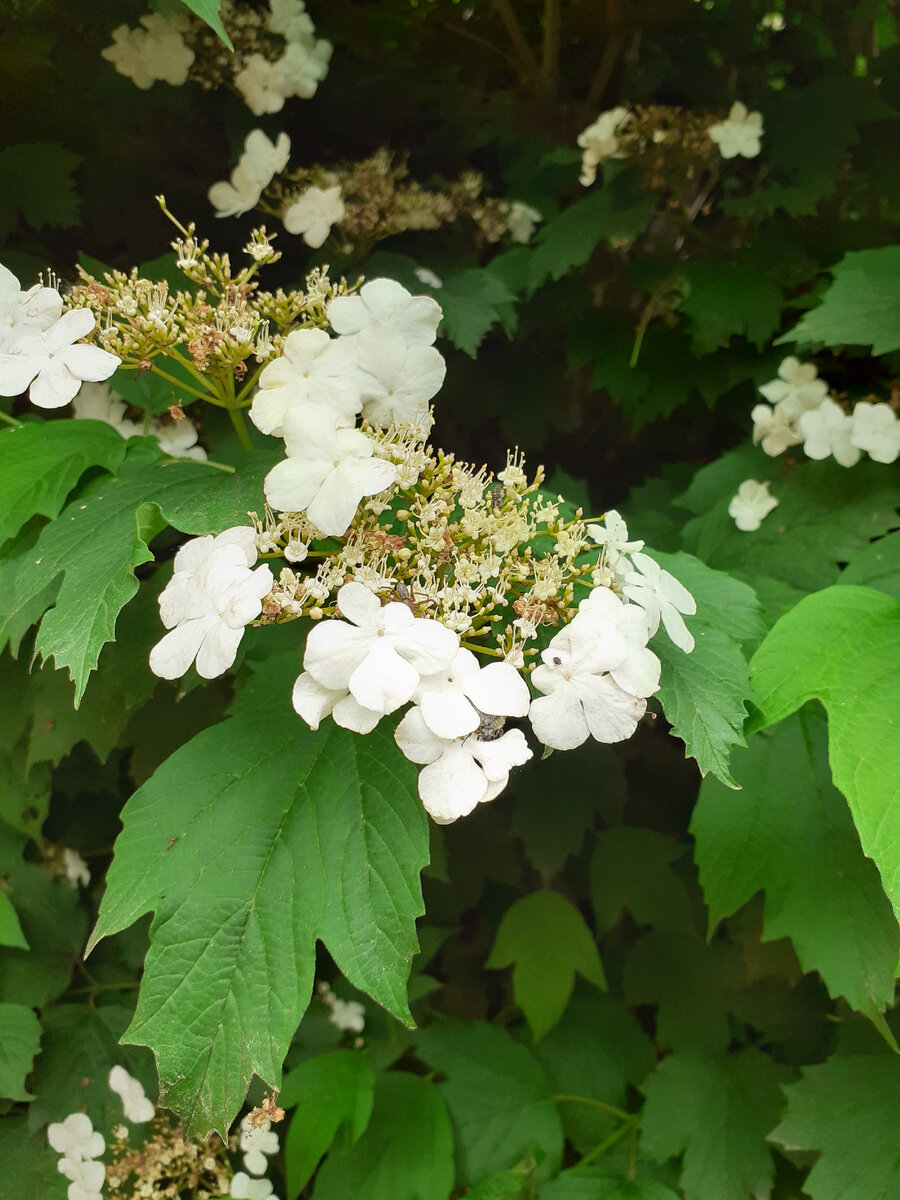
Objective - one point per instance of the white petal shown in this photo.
(448, 713)
(499, 689)
(217, 652)
(558, 720)
(350, 714)
(428, 645)
(170, 658)
(417, 741)
(359, 605)
(639, 673)
(452, 785)
(612, 715)
(383, 680)
(313, 702)
(333, 652)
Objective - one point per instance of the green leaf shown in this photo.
(618, 212)
(595, 1051)
(862, 306)
(24, 791)
(504, 1185)
(120, 687)
(96, 543)
(40, 463)
(827, 898)
(405, 1154)
(38, 184)
(705, 694)
(209, 11)
(546, 940)
(595, 1183)
(724, 300)
(826, 515)
(29, 1164)
(20, 1037)
(10, 929)
(716, 1110)
(632, 868)
(878, 566)
(591, 781)
(80, 1044)
(329, 1091)
(692, 983)
(54, 923)
(499, 1098)
(281, 836)
(847, 1109)
(472, 301)
(842, 646)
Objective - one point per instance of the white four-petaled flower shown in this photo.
(797, 388)
(212, 595)
(313, 213)
(313, 369)
(52, 362)
(134, 1101)
(459, 773)
(453, 700)
(739, 134)
(243, 1187)
(827, 431)
(383, 306)
(876, 430)
(327, 471)
(662, 597)
(379, 653)
(601, 141)
(751, 504)
(75, 1138)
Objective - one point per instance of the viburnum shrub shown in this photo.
(483, 574)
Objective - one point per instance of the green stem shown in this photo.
(250, 384)
(180, 384)
(617, 1134)
(126, 985)
(174, 352)
(499, 654)
(206, 462)
(608, 1108)
(10, 420)
(240, 427)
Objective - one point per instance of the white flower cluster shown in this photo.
(260, 161)
(80, 1145)
(98, 402)
(739, 134)
(801, 412)
(40, 346)
(601, 141)
(379, 652)
(156, 52)
(257, 1144)
(264, 84)
(382, 365)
